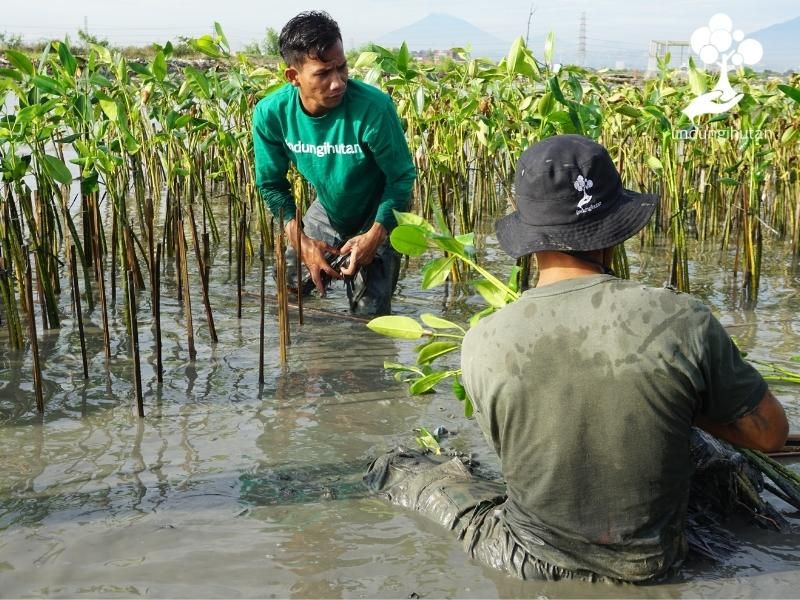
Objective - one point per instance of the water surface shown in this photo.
(232, 489)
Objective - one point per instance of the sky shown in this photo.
(610, 25)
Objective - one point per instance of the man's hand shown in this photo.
(362, 248)
(312, 254)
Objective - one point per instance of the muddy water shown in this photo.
(231, 489)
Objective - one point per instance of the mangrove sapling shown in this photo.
(414, 236)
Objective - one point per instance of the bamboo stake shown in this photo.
(76, 296)
(137, 367)
(37, 368)
(157, 314)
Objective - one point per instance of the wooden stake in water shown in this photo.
(157, 314)
(37, 368)
(137, 366)
(76, 294)
(263, 306)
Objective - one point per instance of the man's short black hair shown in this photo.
(309, 34)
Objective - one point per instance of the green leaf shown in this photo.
(513, 278)
(654, 163)
(491, 293)
(449, 244)
(549, 47)
(56, 169)
(140, 69)
(788, 135)
(426, 440)
(221, 35)
(110, 108)
(663, 122)
(48, 85)
(410, 239)
(366, 59)
(792, 92)
(403, 57)
(206, 45)
(434, 350)
(728, 181)
(546, 104)
(67, 59)
(697, 79)
(513, 55)
(159, 66)
(427, 383)
(435, 322)
(459, 391)
(404, 218)
(469, 408)
(11, 74)
(629, 111)
(397, 326)
(392, 366)
(21, 62)
(436, 271)
(202, 87)
(99, 80)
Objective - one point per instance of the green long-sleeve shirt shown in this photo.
(355, 156)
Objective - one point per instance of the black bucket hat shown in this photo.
(570, 198)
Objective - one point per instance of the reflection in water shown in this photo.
(229, 489)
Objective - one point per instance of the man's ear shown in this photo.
(291, 74)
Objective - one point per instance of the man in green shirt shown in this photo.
(588, 388)
(345, 138)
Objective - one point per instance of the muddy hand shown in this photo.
(314, 260)
(362, 248)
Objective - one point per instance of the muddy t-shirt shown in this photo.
(355, 156)
(587, 389)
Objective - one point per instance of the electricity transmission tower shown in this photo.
(582, 41)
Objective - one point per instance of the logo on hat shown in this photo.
(582, 185)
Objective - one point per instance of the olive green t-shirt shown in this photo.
(587, 389)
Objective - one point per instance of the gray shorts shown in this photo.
(380, 275)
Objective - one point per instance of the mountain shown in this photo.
(781, 43)
(441, 32)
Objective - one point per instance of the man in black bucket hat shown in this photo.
(588, 388)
